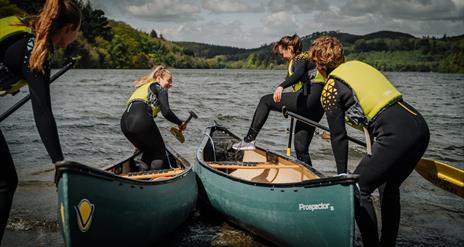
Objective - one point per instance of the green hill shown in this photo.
(387, 50)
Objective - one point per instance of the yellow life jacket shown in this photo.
(318, 78)
(371, 88)
(141, 94)
(9, 27)
(297, 86)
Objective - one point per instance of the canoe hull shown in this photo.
(316, 213)
(97, 209)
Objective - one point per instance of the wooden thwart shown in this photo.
(154, 174)
(258, 165)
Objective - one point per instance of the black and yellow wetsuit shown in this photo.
(304, 100)
(15, 53)
(360, 95)
(138, 125)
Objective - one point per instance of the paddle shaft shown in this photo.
(451, 182)
(290, 135)
(188, 119)
(318, 125)
(28, 97)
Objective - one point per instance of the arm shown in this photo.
(335, 113)
(165, 109)
(39, 89)
(299, 72)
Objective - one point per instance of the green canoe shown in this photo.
(275, 197)
(116, 207)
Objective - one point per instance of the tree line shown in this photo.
(104, 43)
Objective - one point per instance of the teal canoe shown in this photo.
(274, 196)
(116, 207)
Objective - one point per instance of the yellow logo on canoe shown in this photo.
(62, 213)
(84, 212)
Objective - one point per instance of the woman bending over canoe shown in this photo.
(304, 99)
(25, 49)
(396, 133)
(137, 123)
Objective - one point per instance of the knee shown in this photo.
(266, 99)
(363, 196)
(300, 149)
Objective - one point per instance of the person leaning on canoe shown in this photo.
(137, 123)
(396, 133)
(25, 60)
(307, 88)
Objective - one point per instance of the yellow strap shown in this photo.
(407, 109)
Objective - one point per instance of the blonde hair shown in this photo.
(54, 15)
(287, 41)
(157, 73)
(327, 53)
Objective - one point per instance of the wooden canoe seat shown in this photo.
(250, 165)
(153, 174)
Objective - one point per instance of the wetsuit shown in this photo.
(16, 59)
(139, 127)
(305, 102)
(400, 137)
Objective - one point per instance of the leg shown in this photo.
(8, 183)
(401, 140)
(302, 138)
(267, 104)
(310, 107)
(140, 129)
(390, 192)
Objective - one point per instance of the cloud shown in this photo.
(213, 32)
(297, 6)
(282, 20)
(165, 10)
(249, 24)
(406, 9)
(338, 19)
(226, 6)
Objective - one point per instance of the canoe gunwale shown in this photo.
(104, 174)
(323, 181)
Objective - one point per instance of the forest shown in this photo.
(105, 43)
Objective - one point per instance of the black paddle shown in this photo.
(315, 124)
(28, 97)
(438, 173)
(289, 146)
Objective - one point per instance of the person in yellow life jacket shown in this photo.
(25, 46)
(137, 123)
(396, 134)
(306, 86)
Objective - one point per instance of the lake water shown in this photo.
(88, 105)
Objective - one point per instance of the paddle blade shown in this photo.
(178, 134)
(442, 175)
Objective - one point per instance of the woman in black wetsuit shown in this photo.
(304, 99)
(396, 134)
(137, 123)
(25, 57)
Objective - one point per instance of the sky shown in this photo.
(250, 24)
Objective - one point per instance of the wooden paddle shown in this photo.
(438, 173)
(28, 97)
(178, 132)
